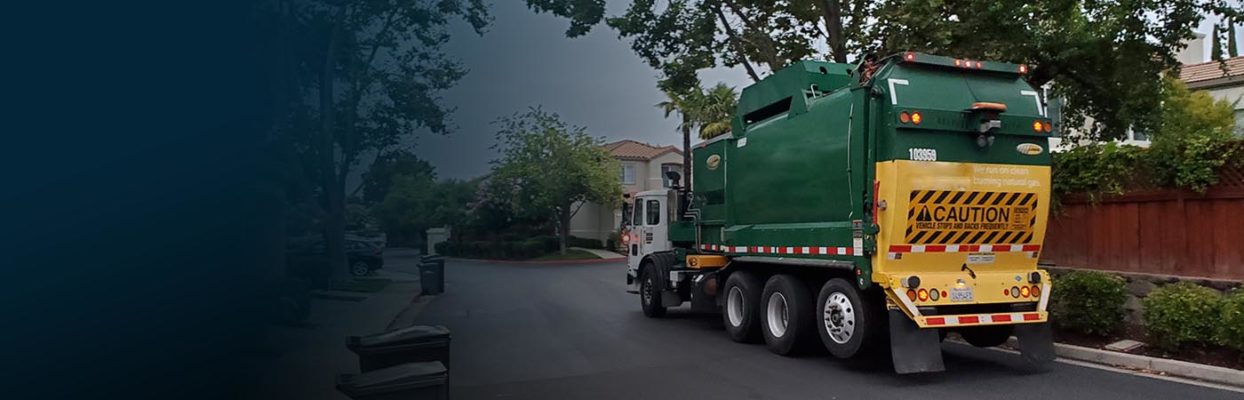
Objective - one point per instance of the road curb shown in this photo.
(1182, 369)
(549, 262)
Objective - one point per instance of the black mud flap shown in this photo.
(1036, 344)
(913, 349)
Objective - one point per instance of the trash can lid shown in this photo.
(398, 377)
(407, 335)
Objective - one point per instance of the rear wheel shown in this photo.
(987, 336)
(850, 324)
(787, 315)
(740, 311)
(650, 292)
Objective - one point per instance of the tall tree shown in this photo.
(678, 103)
(708, 111)
(548, 166)
(378, 179)
(1233, 49)
(1102, 57)
(1215, 52)
(373, 76)
(714, 110)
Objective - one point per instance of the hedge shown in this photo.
(1090, 302)
(1231, 329)
(512, 249)
(1181, 314)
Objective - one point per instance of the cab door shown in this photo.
(654, 236)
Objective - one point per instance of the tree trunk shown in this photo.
(1232, 48)
(833, 25)
(686, 170)
(734, 44)
(334, 206)
(564, 227)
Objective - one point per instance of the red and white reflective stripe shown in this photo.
(963, 248)
(978, 319)
(793, 250)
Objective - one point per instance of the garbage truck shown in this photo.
(869, 208)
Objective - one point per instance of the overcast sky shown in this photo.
(525, 60)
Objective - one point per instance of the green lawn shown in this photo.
(571, 254)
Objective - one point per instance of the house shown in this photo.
(1199, 74)
(643, 168)
(1223, 80)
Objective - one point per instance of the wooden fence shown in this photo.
(1168, 232)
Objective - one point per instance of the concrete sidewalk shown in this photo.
(311, 356)
(605, 254)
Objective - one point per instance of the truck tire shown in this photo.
(650, 291)
(849, 323)
(740, 310)
(987, 336)
(786, 315)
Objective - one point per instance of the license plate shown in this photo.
(961, 294)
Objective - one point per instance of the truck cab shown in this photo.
(647, 231)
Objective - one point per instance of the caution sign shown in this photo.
(955, 217)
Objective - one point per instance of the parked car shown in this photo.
(304, 255)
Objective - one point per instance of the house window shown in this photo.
(665, 178)
(628, 174)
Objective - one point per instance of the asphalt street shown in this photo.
(572, 332)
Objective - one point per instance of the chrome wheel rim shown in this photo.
(777, 314)
(839, 317)
(734, 306)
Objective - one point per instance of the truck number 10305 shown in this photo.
(919, 154)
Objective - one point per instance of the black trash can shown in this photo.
(418, 343)
(424, 380)
(432, 274)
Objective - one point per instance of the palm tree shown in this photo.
(710, 111)
(714, 110)
(679, 102)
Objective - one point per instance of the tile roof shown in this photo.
(1205, 71)
(627, 149)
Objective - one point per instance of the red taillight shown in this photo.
(909, 56)
(904, 117)
(1036, 291)
(979, 65)
(1047, 126)
(911, 294)
(1023, 69)
(958, 62)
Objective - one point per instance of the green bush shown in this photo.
(584, 243)
(1089, 302)
(532, 248)
(1182, 313)
(1231, 323)
(445, 248)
